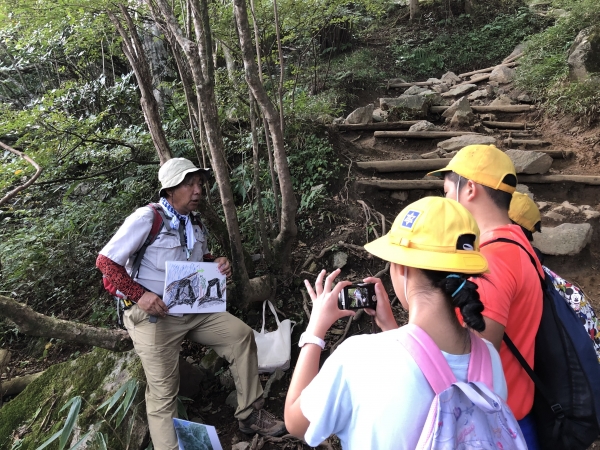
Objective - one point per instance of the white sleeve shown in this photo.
(130, 237)
(326, 402)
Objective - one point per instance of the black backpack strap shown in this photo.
(555, 406)
(158, 221)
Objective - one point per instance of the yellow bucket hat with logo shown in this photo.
(483, 164)
(523, 211)
(433, 233)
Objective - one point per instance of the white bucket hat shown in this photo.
(174, 171)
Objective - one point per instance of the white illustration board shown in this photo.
(196, 436)
(194, 287)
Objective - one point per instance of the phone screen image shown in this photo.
(358, 296)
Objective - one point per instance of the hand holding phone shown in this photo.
(357, 296)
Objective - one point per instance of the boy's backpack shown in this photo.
(462, 415)
(575, 297)
(566, 406)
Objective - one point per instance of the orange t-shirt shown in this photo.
(512, 296)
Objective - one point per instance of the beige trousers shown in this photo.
(158, 345)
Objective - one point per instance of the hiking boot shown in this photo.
(260, 421)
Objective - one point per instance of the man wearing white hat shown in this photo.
(156, 335)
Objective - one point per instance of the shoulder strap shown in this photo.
(158, 220)
(428, 357)
(511, 241)
(480, 364)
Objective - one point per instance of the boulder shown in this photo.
(361, 115)
(461, 104)
(584, 54)
(461, 119)
(431, 155)
(460, 90)
(502, 100)
(241, 445)
(423, 125)
(591, 214)
(524, 98)
(434, 98)
(232, 400)
(33, 417)
(482, 93)
(405, 106)
(339, 259)
(415, 90)
(456, 143)
(379, 115)
(274, 383)
(450, 78)
(565, 239)
(553, 215)
(542, 205)
(566, 208)
(524, 189)
(451, 155)
(212, 362)
(440, 88)
(529, 161)
(434, 80)
(338, 120)
(502, 74)
(396, 80)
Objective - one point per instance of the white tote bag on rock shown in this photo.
(275, 347)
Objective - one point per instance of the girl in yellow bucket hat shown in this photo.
(370, 392)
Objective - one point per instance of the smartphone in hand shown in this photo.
(357, 296)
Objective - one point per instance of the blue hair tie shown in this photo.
(460, 287)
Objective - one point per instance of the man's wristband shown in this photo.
(306, 338)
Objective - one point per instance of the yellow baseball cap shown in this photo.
(523, 211)
(483, 164)
(433, 233)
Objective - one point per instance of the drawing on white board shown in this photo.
(194, 287)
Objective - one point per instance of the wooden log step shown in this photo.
(487, 69)
(499, 108)
(475, 80)
(507, 125)
(407, 85)
(518, 134)
(421, 134)
(533, 142)
(405, 165)
(551, 179)
(402, 185)
(380, 126)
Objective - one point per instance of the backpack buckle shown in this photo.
(558, 411)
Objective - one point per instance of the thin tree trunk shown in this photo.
(414, 9)
(38, 172)
(132, 47)
(287, 229)
(258, 191)
(281, 67)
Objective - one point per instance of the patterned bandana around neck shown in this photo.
(176, 220)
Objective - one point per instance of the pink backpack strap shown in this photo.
(480, 363)
(428, 357)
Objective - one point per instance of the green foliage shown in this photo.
(463, 43)
(544, 70)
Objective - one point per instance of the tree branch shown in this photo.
(35, 176)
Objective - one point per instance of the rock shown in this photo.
(434, 80)
(379, 115)
(584, 54)
(361, 115)
(524, 98)
(232, 400)
(566, 207)
(241, 445)
(212, 362)
(273, 383)
(325, 119)
(491, 90)
(502, 100)
(590, 214)
(338, 120)
(415, 90)
(461, 104)
(226, 380)
(451, 155)
(488, 116)
(313, 267)
(434, 98)
(502, 74)
(461, 119)
(405, 105)
(585, 207)
(450, 78)
(401, 196)
(524, 189)
(517, 51)
(542, 205)
(460, 90)
(554, 216)
(96, 376)
(423, 125)
(482, 93)
(339, 259)
(431, 155)
(565, 239)
(456, 143)
(441, 88)
(396, 81)
(529, 161)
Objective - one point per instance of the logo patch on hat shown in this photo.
(410, 218)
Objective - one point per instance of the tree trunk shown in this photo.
(469, 6)
(229, 62)
(33, 323)
(414, 9)
(287, 229)
(281, 67)
(132, 47)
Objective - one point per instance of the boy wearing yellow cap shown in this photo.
(483, 178)
(370, 392)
